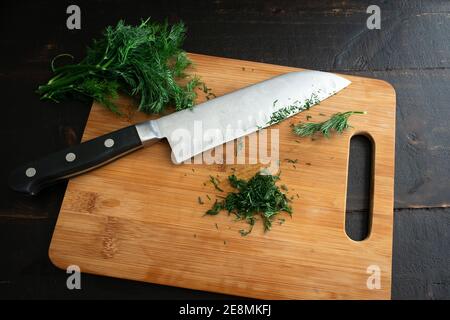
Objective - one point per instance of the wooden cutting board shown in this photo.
(139, 218)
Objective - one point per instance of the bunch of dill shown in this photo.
(257, 196)
(144, 61)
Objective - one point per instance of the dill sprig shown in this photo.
(259, 196)
(338, 122)
(143, 61)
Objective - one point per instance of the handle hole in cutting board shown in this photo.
(358, 215)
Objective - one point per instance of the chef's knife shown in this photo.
(189, 132)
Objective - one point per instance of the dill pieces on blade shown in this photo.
(296, 107)
(143, 61)
(338, 122)
(257, 197)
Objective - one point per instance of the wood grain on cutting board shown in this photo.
(139, 217)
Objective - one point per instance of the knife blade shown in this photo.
(188, 132)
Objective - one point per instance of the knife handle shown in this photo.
(34, 176)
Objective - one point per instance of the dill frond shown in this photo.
(338, 122)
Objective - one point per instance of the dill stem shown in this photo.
(63, 78)
(61, 82)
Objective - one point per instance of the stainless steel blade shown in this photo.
(225, 118)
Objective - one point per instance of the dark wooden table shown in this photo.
(411, 51)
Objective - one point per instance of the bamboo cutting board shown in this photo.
(139, 218)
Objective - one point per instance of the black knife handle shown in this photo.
(34, 176)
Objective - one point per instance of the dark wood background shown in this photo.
(411, 51)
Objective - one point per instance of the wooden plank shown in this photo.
(413, 34)
(138, 218)
(421, 240)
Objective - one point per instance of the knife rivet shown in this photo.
(70, 157)
(30, 172)
(109, 143)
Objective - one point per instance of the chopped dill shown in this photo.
(217, 207)
(259, 196)
(207, 92)
(215, 182)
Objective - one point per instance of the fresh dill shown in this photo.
(291, 160)
(143, 61)
(259, 196)
(338, 122)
